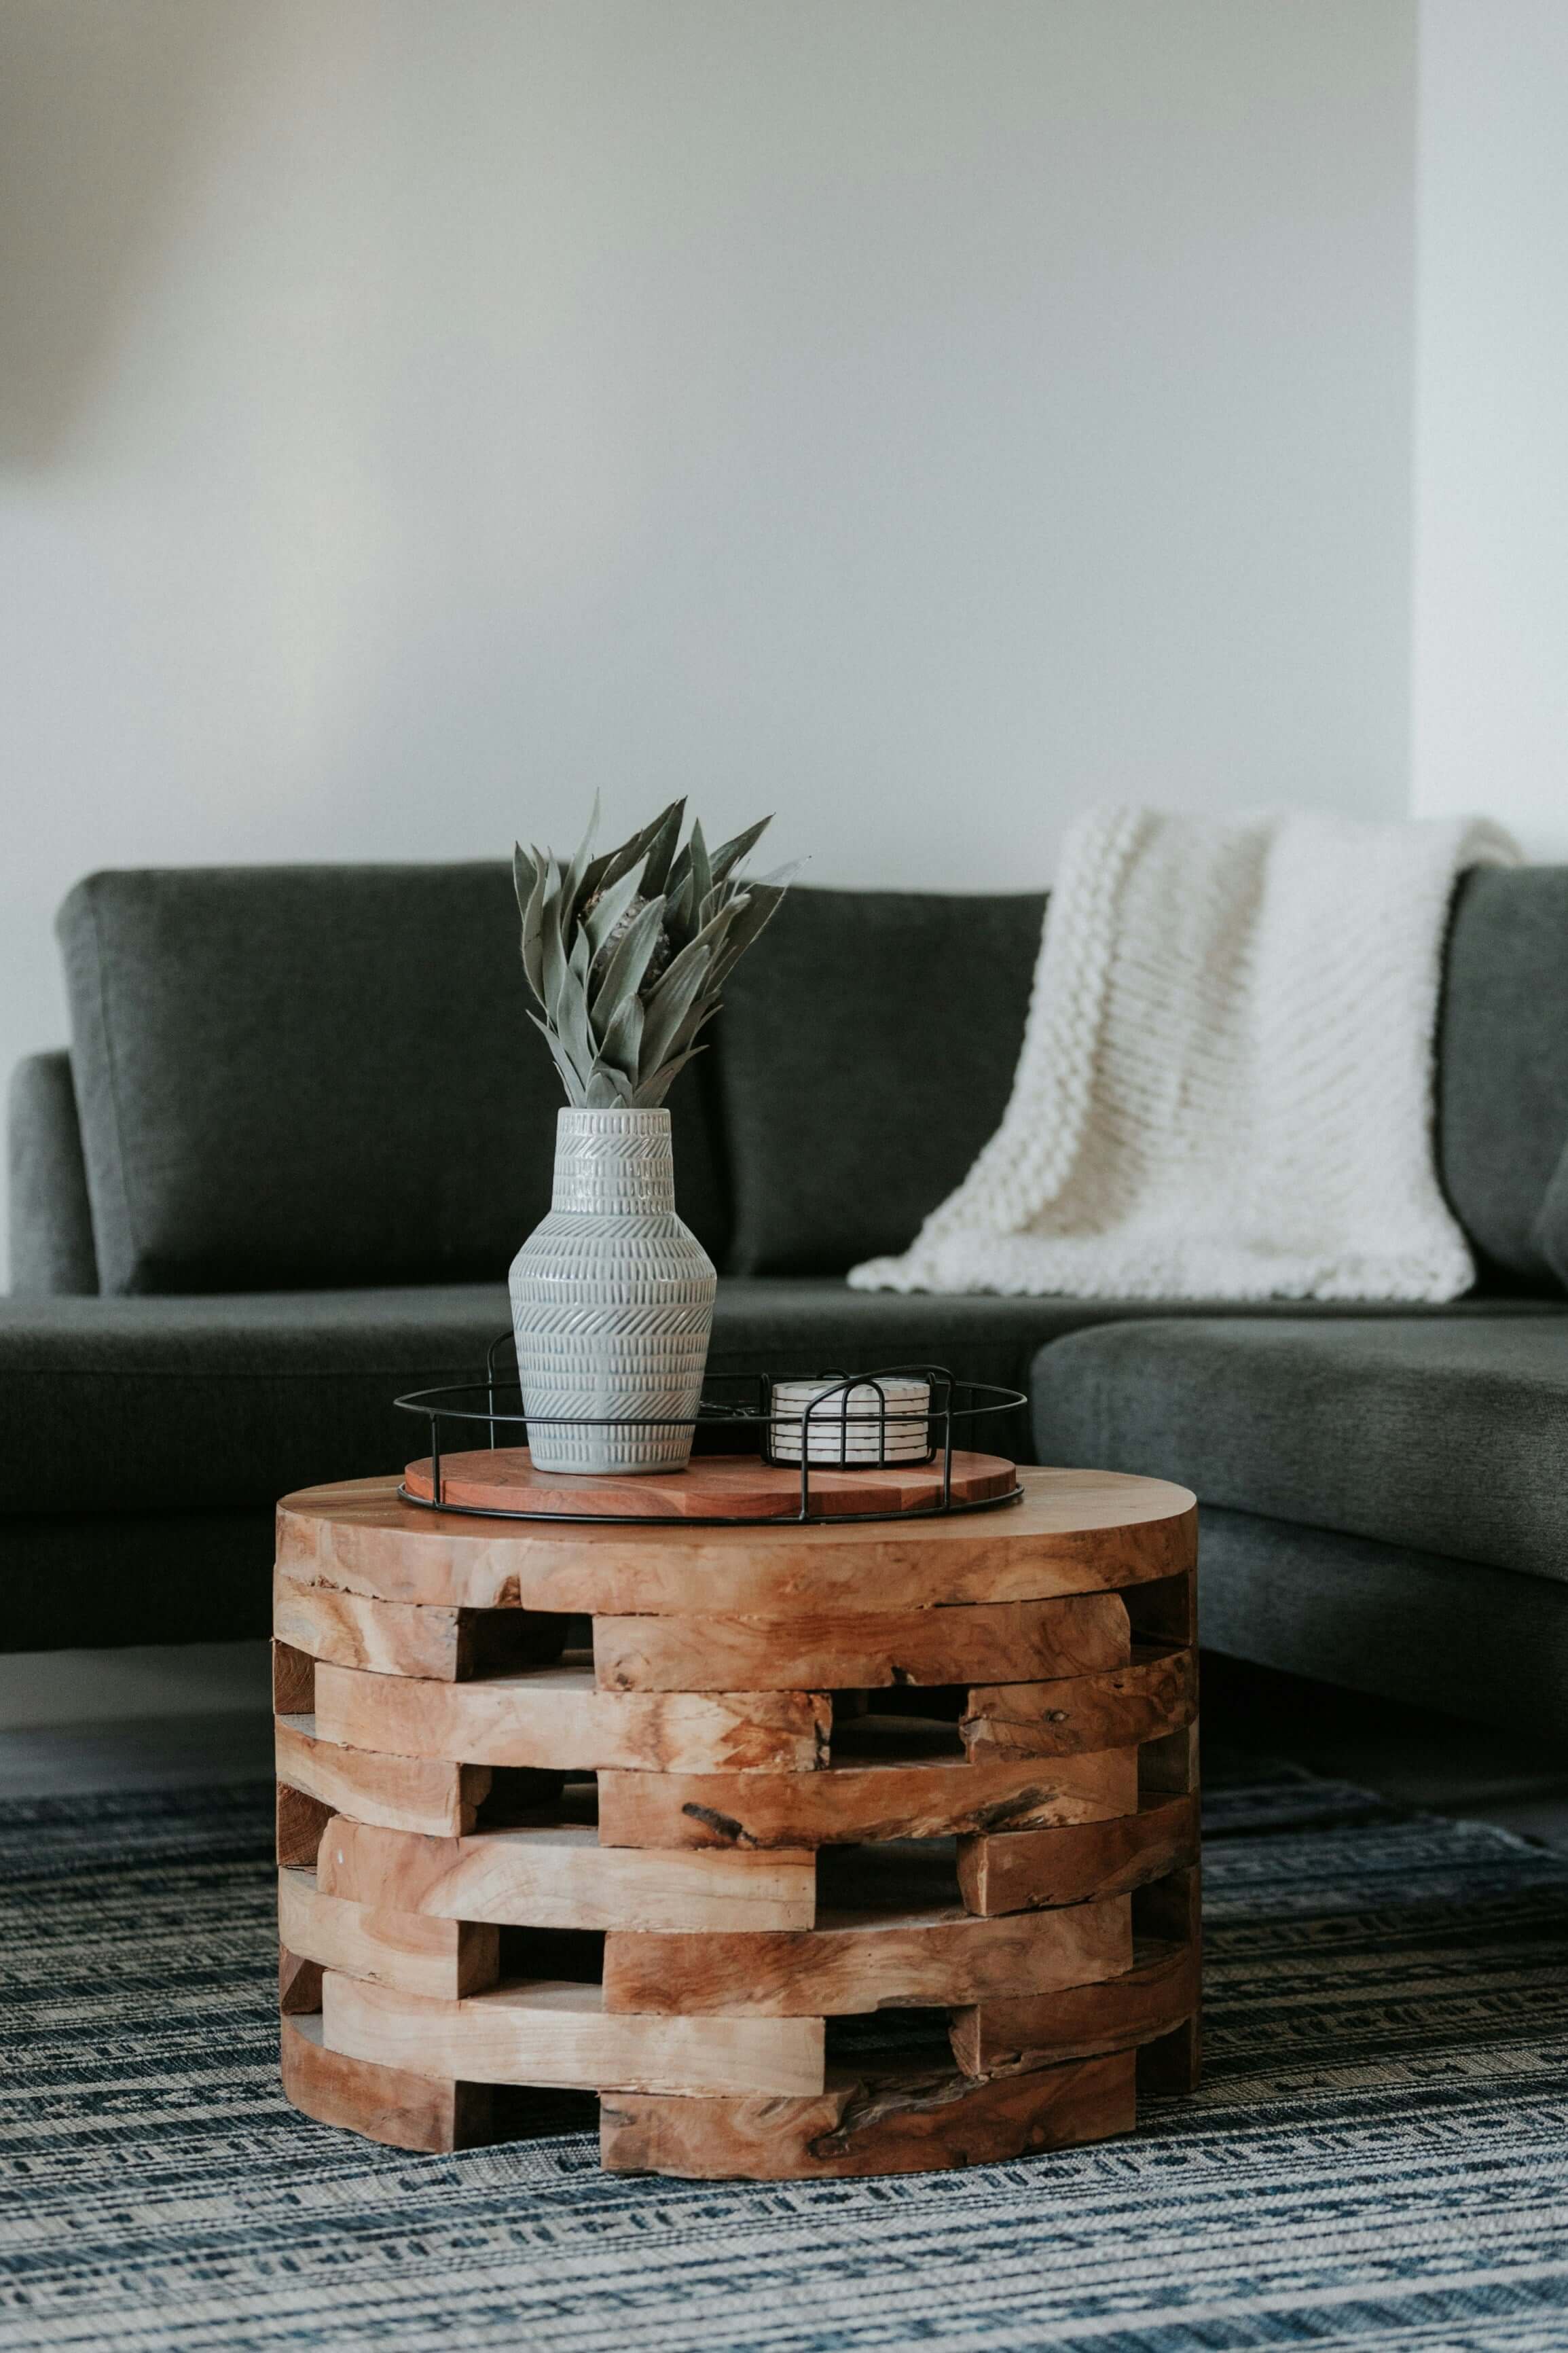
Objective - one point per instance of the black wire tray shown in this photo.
(488, 1405)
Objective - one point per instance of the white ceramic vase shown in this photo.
(612, 1302)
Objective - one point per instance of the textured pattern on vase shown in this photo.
(612, 1301)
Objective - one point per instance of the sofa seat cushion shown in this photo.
(1447, 1433)
(799, 1326)
(225, 1403)
(1457, 1635)
(203, 1404)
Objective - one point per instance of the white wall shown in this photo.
(1490, 665)
(923, 420)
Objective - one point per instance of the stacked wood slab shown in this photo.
(805, 1776)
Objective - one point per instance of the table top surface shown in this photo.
(1072, 1530)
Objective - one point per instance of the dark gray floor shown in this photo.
(1413, 1757)
(221, 1731)
(169, 1715)
(155, 1752)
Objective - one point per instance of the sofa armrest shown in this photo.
(51, 1223)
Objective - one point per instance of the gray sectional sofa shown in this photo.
(303, 1124)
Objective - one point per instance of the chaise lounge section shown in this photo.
(1383, 1501)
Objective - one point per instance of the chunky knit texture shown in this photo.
(1226, 1087)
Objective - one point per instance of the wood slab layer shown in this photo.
(556, 1717)
(1171, 1764)
(1018, 1871)
(560, 2034)
(301, 1819)
(1165, 1611)
(402, 1793)
(386, 2103)
(293, 1679)
(442, 1956)
(1174, 2063)
(404, 1638)
(1155, 1997)
(1075, 1531)
(904, 2121)
(564, 1879)
(299, 1984)
(1119, 1708)
(1172, 1910)
(712, 1487)
(853, 1962)
(849, 1804)
(1005, 1642)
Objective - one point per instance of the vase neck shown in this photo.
(614, 1162)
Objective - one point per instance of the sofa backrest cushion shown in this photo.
(1503, 1063)
(867, 1050)
(301, 1076)
(869, 1042)
(318, 1075)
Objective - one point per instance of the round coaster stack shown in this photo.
(939, 1776)
(888, 1420)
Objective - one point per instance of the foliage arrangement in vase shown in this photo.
(612, 1297)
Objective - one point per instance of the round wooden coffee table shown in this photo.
(843, 1849)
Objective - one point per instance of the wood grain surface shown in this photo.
(1170, 1764)
(565, 1879)
(404, 1638)
(396, 2105)
(1075, 1531)
(1116, 1709)
(446, 1958)
(301, 1819)
(1013, 1642)
(850, 1803)
(1154, 1997)
(855, 1962)
(299, 1984)
(1017, 1871)
(544, 2033)
(403, 1793)
(902, 2121)
(293, 1679)
(557, 1717)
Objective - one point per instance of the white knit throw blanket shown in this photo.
(1226, 1088)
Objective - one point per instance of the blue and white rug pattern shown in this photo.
(1378, 2159)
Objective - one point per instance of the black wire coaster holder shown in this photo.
(486, 1406)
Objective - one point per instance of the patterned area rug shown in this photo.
(1379, 2155)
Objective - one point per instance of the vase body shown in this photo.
(612, 1302)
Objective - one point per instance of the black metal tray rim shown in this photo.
(831, 1411)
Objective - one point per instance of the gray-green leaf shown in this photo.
(623, 976)
(671, 1001)
(730, 853)
(654, 1089)
(611, 904)
(661, 849)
